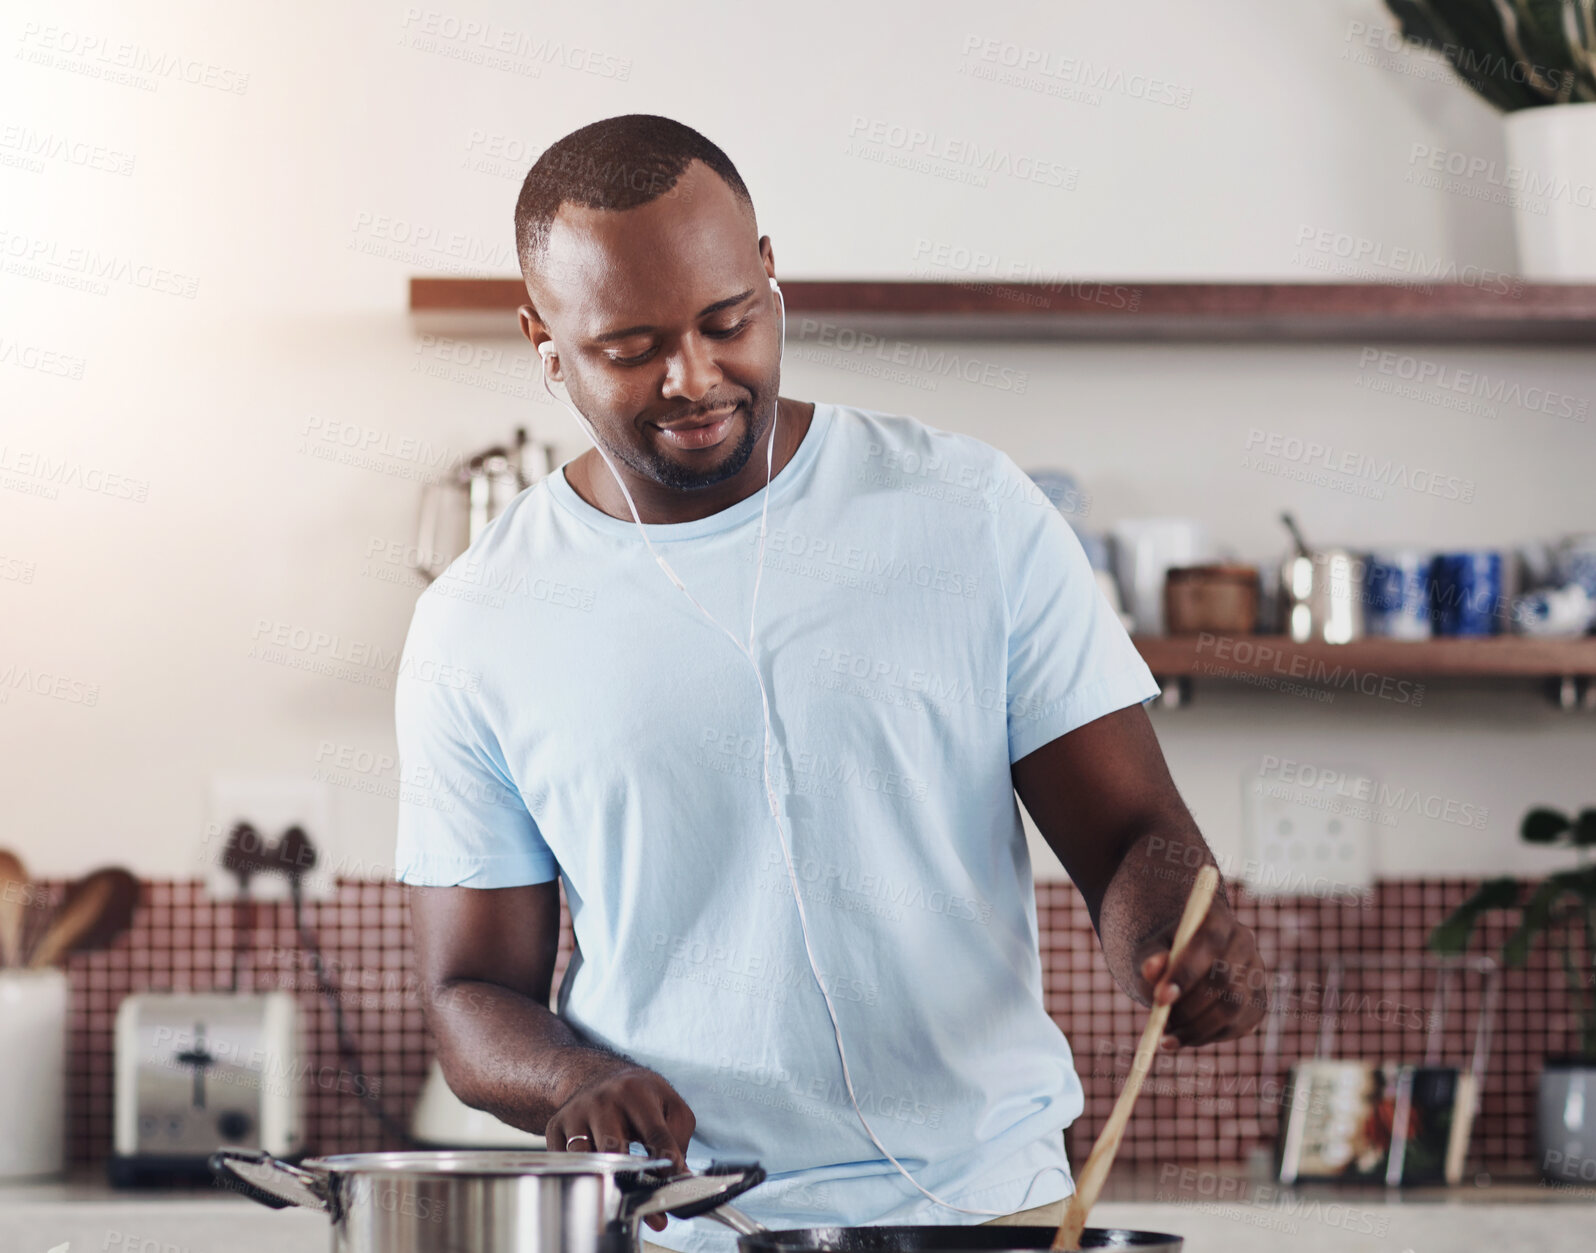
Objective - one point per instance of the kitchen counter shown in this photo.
(1216, 1211)
(1176, 1185)
(1241, 1211)
(83, 1211)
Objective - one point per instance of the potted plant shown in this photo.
(1562, 908)
(1524, 56)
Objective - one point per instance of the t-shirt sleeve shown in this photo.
(1070, 660)
(462, 823)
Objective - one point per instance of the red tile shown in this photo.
(1206, 1108)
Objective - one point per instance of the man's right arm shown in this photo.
(485, 958)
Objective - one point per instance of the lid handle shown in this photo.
(689, 1195)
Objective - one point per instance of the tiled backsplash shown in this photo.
(1200, 1107)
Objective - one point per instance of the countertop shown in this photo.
(1177, 1185)
(1155, 1185)
(1234, 1211)
(84, 1212)
(1245, 1211)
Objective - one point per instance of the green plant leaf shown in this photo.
(1441, 27)
(1485, 51)
(1541, 55)
(1451, 935)
(1517, 54)
(1543, 826)
(1582, 883)
(1416, 22)
(1555, 42)
(1584, 829)
(1535, 918)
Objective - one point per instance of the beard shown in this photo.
(644, 460)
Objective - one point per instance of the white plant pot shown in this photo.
(1565, 1122)
(33, 1025)
(1551, 153)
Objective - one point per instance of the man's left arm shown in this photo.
(1102, 797)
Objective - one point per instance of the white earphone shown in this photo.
(547, 352)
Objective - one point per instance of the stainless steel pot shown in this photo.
(485, 1201)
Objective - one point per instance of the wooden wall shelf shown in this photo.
(1529, 313)
(1371, 666)
(1569, 665)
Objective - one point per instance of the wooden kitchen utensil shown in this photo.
(13, 897)
(1089, 1183)
(97, 909)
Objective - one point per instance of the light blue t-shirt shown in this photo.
(926, 618)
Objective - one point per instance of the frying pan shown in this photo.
(754, 1237)
(924, 1239)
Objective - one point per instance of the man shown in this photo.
(930, 639)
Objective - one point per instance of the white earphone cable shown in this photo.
(545, 351)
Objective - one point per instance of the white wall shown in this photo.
(358, 153)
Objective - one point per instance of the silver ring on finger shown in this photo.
(570, 1140)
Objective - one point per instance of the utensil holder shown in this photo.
(33, 1025)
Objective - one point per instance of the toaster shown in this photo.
(196, 1071)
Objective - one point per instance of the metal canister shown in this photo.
(1322, 596)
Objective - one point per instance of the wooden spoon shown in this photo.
(97, 909)
(14, 893)
(1089, 1183)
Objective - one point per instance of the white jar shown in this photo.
(33, 1027)
(1553, 180)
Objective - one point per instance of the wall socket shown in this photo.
(271, 804)
(1307, 833)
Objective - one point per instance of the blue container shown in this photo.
(1097, 550)
(1396, 593)
(1576, 562)
(1466, 593)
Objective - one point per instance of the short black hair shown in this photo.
(618, 163)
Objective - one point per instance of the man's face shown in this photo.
(663, 320)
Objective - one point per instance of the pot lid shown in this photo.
(479, 1162)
